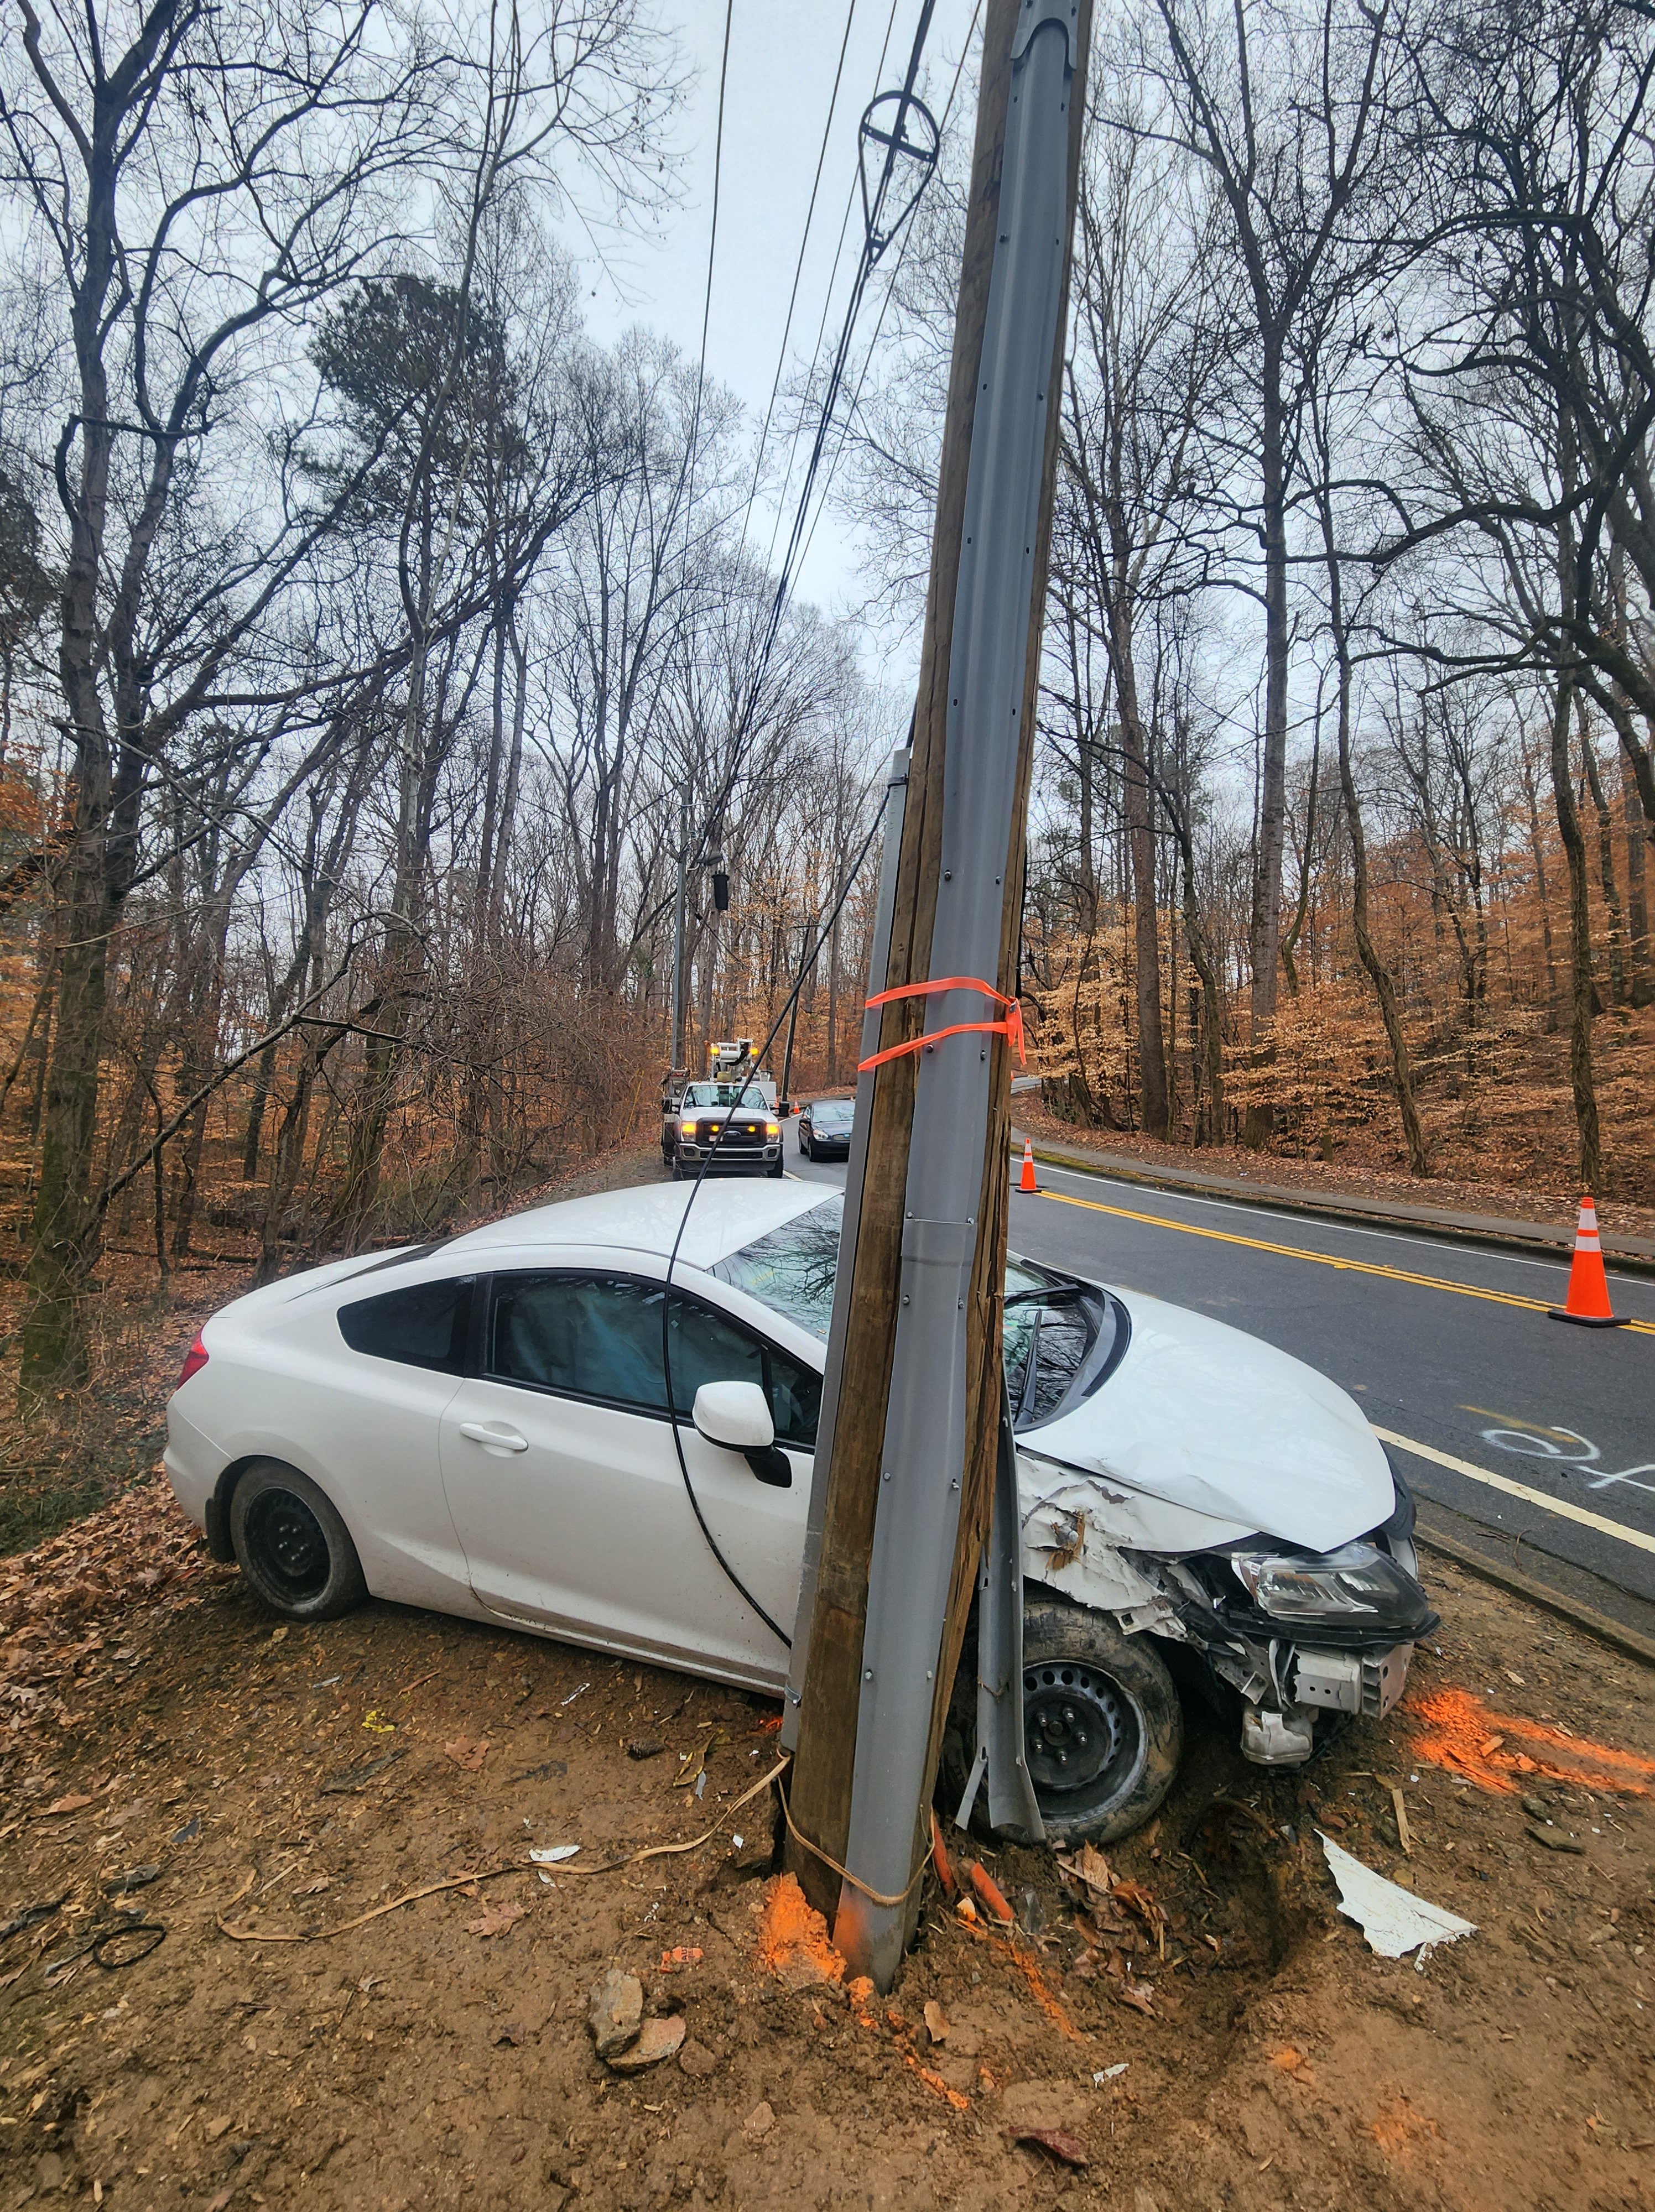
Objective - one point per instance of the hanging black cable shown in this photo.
(805, 968)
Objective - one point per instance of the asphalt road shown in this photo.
(1534, 1439)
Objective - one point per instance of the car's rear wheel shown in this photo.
(1103, 1727)
(292, 1545)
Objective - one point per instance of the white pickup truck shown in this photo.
(694, 1119)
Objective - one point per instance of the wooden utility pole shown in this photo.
(906, 1476)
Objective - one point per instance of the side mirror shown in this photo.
(737, 1416)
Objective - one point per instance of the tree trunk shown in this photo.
(1147, 949)
(1580, 994)
(1617, 927)
(1639, 981)
(1264, 923)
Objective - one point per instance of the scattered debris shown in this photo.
(939, 1856)
(1110, 2073)
(339, 1785)
(465, 1753)
(138, 1877)
(692, 1766)
(553, 1854)
(1394, 1921)
(31, 1916)
(936, 2021)
(376, 1723)
(645, 1746)
(658, 2039)
(681, 1954)
(615, 2011)
(1402, 1836)
(1068, 2149)
(579, 1691)
(988, 1891)
(1555, 1842)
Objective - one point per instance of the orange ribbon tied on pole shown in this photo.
(1011, 1028)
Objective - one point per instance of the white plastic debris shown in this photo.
(553, 1854)
(1110, 2074)
(1394, 1920)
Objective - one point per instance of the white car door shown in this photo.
(559, 1461)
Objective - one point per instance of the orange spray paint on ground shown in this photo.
(792, 1934)
(1456, 1730)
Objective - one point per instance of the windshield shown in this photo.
(722, 1094)
(1062, 1338)
(833, 1113)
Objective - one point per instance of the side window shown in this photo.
(600, 1336)
(591, 1336)
(795, 1400)
(423, 1326)
(707, 1348)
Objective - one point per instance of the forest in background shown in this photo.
(374, 642)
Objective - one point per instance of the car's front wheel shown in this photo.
(292, 1545)
(1102, 1725)
(804, 1143)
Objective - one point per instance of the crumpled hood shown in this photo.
(1209, 1418)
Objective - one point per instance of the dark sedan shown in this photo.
(825, 1128)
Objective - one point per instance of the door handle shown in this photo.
(502, 1440)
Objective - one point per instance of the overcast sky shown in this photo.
(783, 54)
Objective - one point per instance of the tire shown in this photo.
(292, 1546)
(777, 1171)
(678, 1169)
(1085, 1687)
(804, 1146)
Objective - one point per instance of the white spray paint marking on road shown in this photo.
(1561, 1506)
(1585, 1453)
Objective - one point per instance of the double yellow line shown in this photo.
(1324, 1259)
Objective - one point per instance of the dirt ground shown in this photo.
(281, 1783)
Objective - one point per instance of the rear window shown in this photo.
(422, 1326)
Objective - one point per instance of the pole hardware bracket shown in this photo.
(1035, 15)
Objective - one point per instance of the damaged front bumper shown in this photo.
(1297, 1679)
(1362, 1685)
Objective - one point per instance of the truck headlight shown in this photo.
(772, 1129)
(1354, 1586)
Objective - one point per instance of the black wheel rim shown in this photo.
(288, 1543)
(1083, 1734)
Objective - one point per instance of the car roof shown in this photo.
(723, 1216)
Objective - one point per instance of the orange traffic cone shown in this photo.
(1029, 1182)
(1588, 1299)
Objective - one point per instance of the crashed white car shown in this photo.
(481, 1425)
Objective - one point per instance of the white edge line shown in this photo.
(1558, 1505)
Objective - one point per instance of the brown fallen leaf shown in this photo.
(1069, 2150)
(63, 1805)
(1088, 1865)
(1140, 1995)
(494, 1920)
(315, 1888)
(469, 1755)
(936, 2021)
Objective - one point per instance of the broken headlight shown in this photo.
(1354, 1587)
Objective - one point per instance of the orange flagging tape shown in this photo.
(1011, 1028)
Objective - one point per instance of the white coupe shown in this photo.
(481, 1425)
